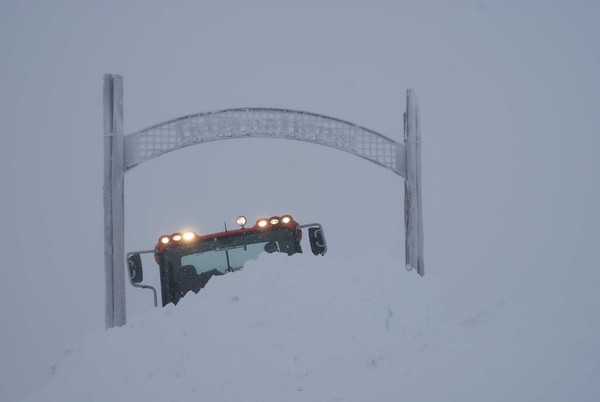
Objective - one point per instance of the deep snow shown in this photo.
(352, 327)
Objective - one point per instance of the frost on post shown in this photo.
(114, 218)
(123, 153)
(413, 213)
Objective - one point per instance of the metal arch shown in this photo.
(122, 153)
(264, 123)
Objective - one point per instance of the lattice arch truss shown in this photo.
(264, 123)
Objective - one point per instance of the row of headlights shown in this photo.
(179, 237)
(275, 220)
(189, 236)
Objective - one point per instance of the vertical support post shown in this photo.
(114, 216)
(413, 213)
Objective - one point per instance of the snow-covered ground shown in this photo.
(352, 327)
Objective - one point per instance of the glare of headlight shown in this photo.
(187, 236)
(241, 220)
(262, 223)
(286, 219)
(164, 240)
(274, 221)
(177, 237)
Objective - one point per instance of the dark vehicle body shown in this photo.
(188, 261)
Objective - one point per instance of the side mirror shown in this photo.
(134, 263)
(317, 240)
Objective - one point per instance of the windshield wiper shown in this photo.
(229, 269)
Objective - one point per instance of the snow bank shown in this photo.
(344, 328)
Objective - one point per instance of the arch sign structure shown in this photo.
(124, 152)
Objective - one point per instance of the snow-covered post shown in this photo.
(413, 213)
(114, 218)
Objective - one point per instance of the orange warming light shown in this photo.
(189, 236)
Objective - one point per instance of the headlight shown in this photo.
(241, 220)
(165, 240)
(262, 223)
(187, 236)
(176, 237)
(286, 219)
(274, 221)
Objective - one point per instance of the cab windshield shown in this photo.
(230, 259)
(189, 268)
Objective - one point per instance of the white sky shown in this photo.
(509, 99)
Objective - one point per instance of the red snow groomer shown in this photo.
(187, 260)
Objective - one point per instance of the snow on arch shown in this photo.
(264, 123)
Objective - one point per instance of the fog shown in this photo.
(509, 99)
